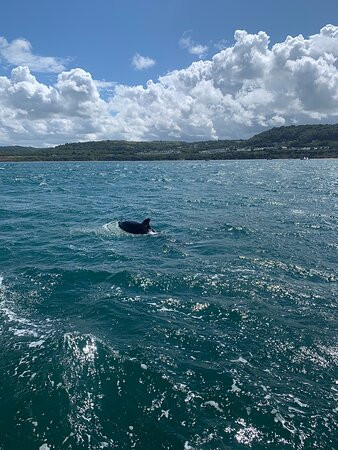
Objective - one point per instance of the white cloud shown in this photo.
(104, 85)
(193, 48)
(19, 53)
(142, 62)
(242, 90)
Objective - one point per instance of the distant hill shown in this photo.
(297, 135)
(302, 141)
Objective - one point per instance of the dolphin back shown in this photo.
(135, 227)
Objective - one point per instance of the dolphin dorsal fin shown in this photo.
(146, 222)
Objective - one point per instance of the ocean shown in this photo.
(217, 332)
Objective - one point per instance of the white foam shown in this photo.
(107, 229)
(13, 317)
(199, 306)
(247, 435)
(214, 404)
(234, 387)
(279, 418)
(164, 309)
(291, 408)
(109, 226)
(165, 413)
(111, 229)
(36, 343)
(19, 326)
(240, 360)
(23, 332)
(299, 403)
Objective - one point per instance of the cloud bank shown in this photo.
(242, 90)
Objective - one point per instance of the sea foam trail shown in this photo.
(111, 229)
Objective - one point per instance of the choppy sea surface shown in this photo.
(217, 332)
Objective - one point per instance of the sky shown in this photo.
(82, 70)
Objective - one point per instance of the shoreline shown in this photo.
(161, 160)
(289, 142)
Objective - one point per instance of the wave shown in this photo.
(296, 270)
(236, 229)
(165, 366)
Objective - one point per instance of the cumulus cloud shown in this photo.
(19, 52)
(241, 90)
(140, 62)
(193, 48)
(104, 85)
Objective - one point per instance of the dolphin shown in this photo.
(136, 227)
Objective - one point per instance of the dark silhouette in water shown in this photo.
(135, 227)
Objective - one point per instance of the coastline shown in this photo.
(291, 142)
(279, 158)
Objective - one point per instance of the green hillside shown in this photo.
(300, 135)
(302, 141)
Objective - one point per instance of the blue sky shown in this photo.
(101, 37)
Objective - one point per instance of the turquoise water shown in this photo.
(218, 332)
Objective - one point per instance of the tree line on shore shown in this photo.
(302, 141)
